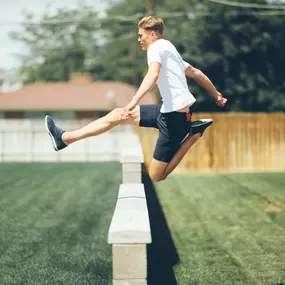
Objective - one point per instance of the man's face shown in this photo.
(145, 38)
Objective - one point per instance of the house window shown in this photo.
(14, 115)
(34, 115)
(101, 113)
(65, 115)
(86, 115)
(55, 115)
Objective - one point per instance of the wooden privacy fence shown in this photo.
(129, 231)
(235, 142)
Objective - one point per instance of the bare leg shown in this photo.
(160, 170)
(185, 146)
(101, 125)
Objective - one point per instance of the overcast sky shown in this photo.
(10, 11)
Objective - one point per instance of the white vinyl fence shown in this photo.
(28, 141)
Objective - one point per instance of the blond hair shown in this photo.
(152, 23)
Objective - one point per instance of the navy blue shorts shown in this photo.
(173, 128)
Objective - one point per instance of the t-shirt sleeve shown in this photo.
(185, 64)
(154, 55)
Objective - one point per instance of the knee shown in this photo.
(157, 177)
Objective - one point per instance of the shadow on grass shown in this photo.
(161, 253)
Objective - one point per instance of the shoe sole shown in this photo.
(207, 120)
(203, 121)
(206, 123)
(51, 136)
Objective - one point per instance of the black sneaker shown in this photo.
(55, 134)
(200, 126)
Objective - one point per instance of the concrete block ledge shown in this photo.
(132, 155)
(129, 261)
(131, 190)
(130, 222)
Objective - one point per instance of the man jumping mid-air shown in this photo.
(172, 118)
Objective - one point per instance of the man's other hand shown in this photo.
(221, 101)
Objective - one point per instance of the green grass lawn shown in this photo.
(227, 229)
(54, 223)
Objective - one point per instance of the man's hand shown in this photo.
(220, 100)
(127, 111)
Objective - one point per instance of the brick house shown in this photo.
(80, 98)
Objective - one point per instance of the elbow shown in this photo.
(196, 73)
(154, 76)
(193, 72)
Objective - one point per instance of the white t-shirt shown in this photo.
(171, 82)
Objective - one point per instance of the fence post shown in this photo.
(129, 232)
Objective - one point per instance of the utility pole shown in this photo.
(149, 7)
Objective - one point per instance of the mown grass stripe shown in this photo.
(215, 254)
(223, 222)
(62, 237)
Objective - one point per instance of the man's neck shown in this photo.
(157, 39)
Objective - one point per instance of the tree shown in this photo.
(58, 45)
(241, 51)
(121, 57)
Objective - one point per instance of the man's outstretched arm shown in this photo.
(147, 84)
(206, 83)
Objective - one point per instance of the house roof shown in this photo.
(86, 96)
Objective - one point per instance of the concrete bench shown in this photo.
(129, 232)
